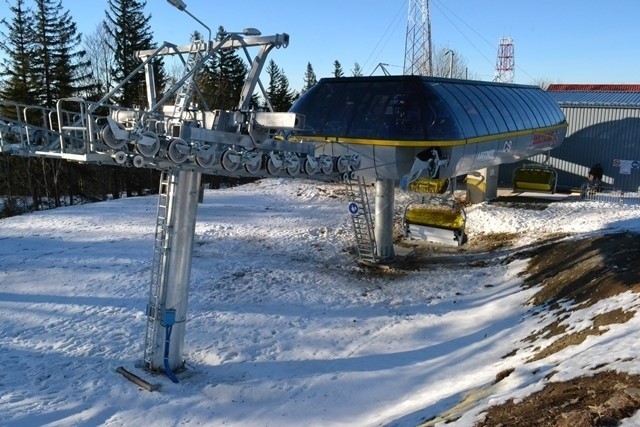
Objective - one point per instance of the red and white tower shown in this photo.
(505, 64)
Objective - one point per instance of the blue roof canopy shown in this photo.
(410, 108)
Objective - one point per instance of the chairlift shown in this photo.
(429, 186)
(536, 177)
(432, 216)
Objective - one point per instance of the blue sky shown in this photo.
(561, 41)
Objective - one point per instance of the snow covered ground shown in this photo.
(284, 328)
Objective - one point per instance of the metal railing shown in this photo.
(605, 194)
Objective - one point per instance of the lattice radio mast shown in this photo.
(418, 49)
(505, 64)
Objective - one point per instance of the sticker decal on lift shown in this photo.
(485, 155)
(545, 138)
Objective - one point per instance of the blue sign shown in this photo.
(635, 164)
(353, 208)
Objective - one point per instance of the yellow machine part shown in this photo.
(429, 186)
(434, 216)
(534, 180)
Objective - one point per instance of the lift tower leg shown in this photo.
(384, 218)
(171, 270)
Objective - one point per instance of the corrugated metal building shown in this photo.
(604, 127)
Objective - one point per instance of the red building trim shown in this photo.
(594, 87)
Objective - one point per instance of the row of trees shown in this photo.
(46, 59)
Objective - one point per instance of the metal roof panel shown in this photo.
(596, 98)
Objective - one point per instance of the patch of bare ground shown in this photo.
(599, 400)
(585, 270)
(493, 241)
(581, 272)
(598, 327)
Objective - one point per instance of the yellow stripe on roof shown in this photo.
(423, 143)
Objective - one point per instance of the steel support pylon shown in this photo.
(171, 269)
(384, 218)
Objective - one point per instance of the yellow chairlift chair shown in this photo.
(537, 177)
(433, 217)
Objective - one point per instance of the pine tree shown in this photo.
(16, 175)
(337, 69)
(310, 78)
(17, 48)
(285, 94)
(274, 73)
(278, 91)
(71, 67)
(45, 39)
(357, 70)
(232, 73)
(223, 77)
(207, 79)
(129, 28)
(58, 69)
(57, 66)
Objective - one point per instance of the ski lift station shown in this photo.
(416, 132)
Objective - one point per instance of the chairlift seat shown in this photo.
(429, 186)
(436, 223)
(435, 217)
(540, 179)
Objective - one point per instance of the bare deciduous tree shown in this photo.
(444, 58)
(98, 47)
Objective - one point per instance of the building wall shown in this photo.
(606, 135)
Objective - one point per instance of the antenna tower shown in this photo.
(417, 50)
(505, 64)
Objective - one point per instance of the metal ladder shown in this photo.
(362, 220)
(161, 248)
(184, 96)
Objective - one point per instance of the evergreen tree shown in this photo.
(42, 56)
(57, 69)
(337, 69)
(208, 78)
(310, 78)
(357, 70)
(278, 91)
(17, 178)
(274, 73)
(222, 79)
(285, 95)
(17, 48)
(57, 66)
(42, 63)
(231, 77)
(71, 67)
(129, 28)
